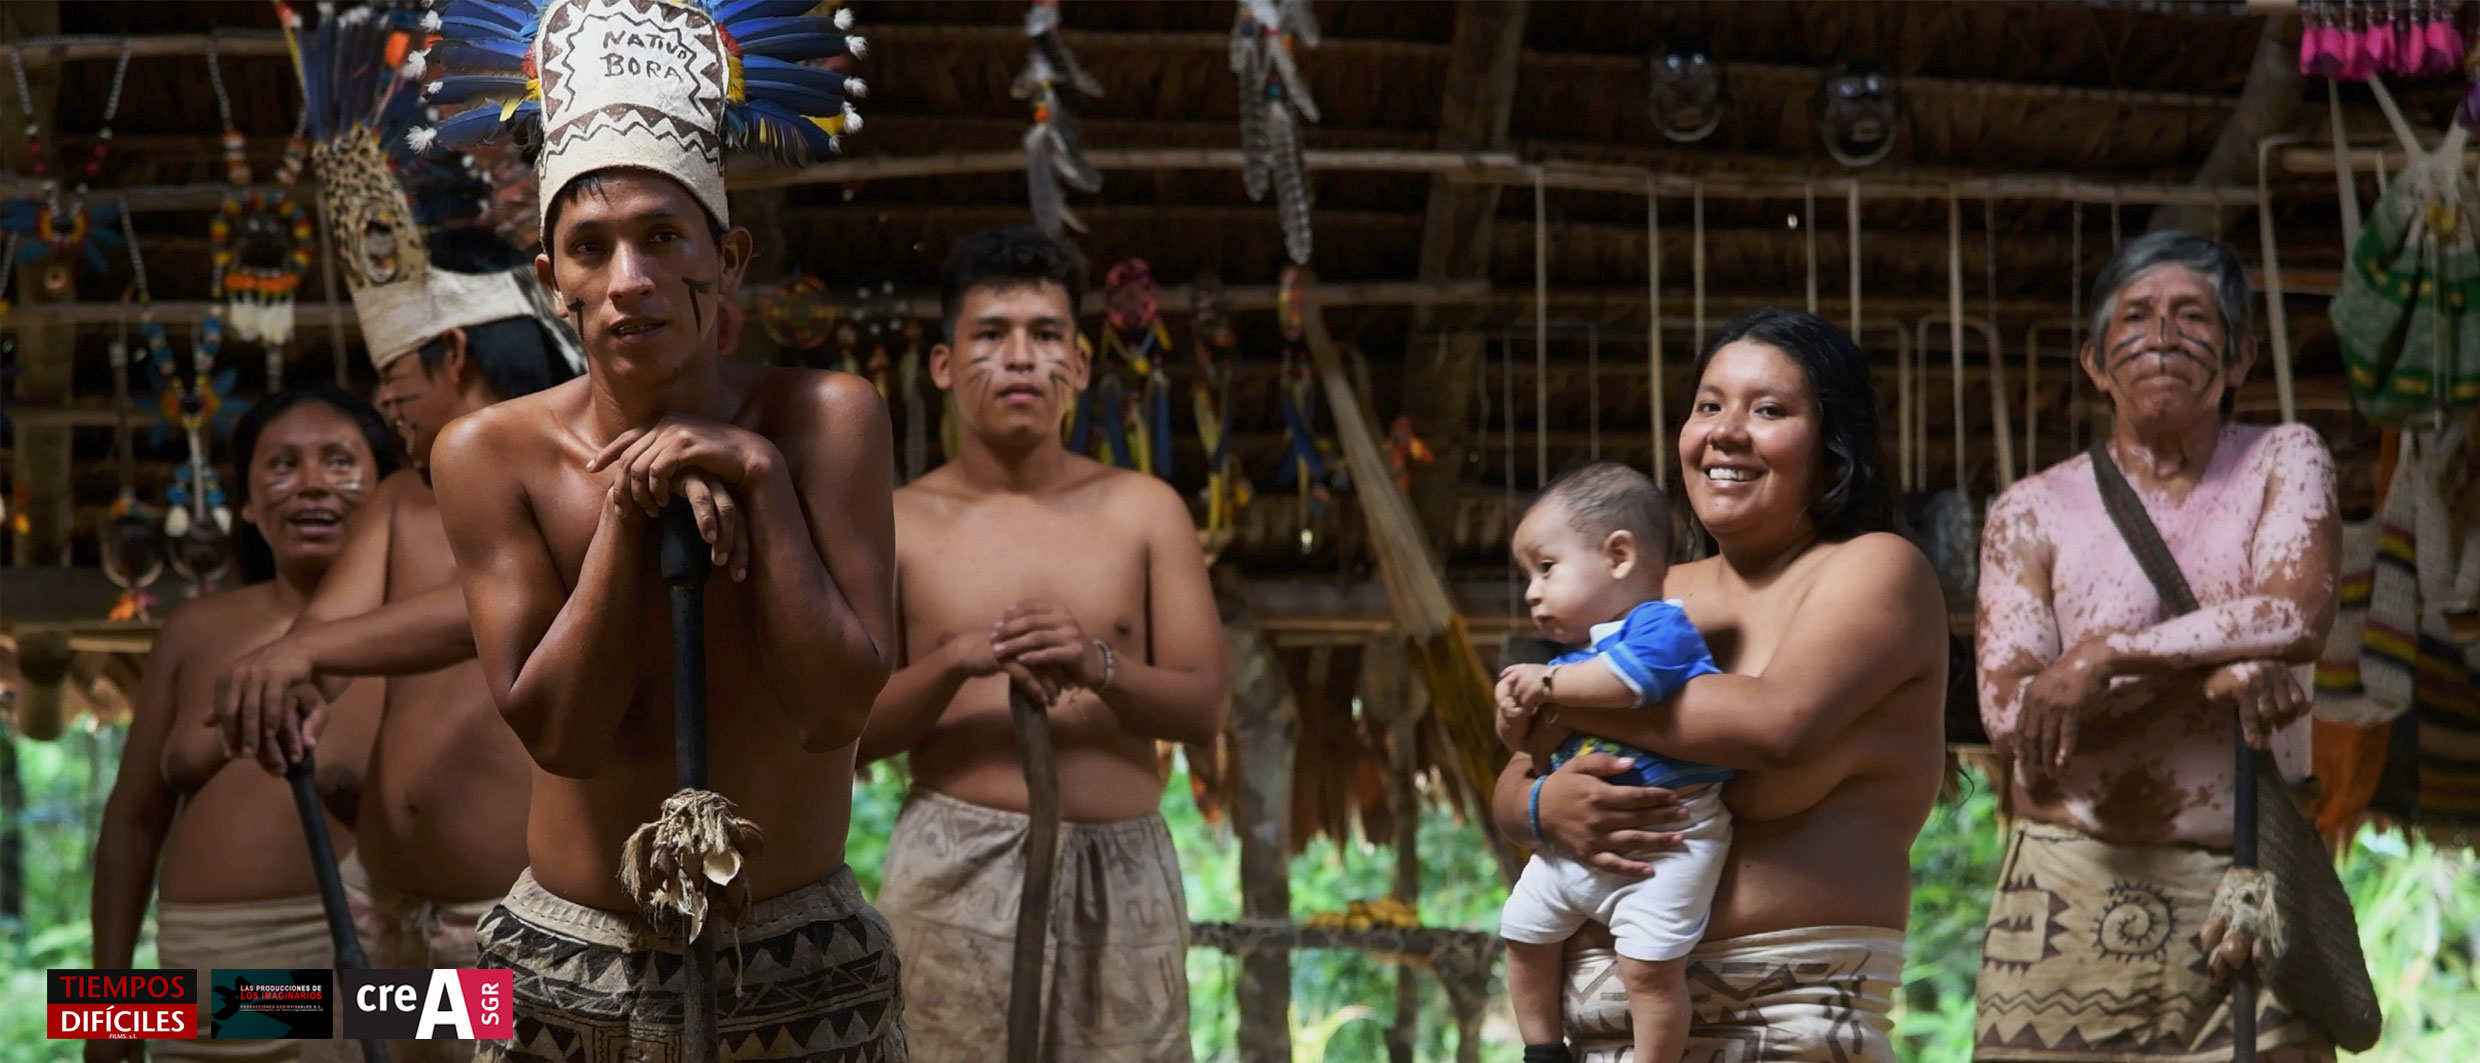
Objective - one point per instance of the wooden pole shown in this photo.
(1541, 332)
(1264, 728)
(684, 565)
(332, 900)
(1026, 1011)
(1653, 338)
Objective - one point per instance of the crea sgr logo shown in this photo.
(121, 1004)
(417, 1005)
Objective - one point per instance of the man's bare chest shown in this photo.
(954, 584)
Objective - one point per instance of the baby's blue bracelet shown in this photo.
(1535, 815)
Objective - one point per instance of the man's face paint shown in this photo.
(1014, 363)
(698, 291)
(637, 265)
(2165, 349)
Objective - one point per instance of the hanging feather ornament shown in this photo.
(1273, 102)
(1210, 396)
(197, 526)
(1055, 146)
(1306, 467)
(1134, 336)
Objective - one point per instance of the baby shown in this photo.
(1594, 549)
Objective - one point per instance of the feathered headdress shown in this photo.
(663, 85)
(357, 89)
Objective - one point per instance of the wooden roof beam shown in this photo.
(1347, 50)
(1506, 169)
(53, 49)
(1477, 101)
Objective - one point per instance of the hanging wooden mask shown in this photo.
(1857, 112)
(1687, 93)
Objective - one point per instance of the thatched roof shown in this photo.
(2036, 94)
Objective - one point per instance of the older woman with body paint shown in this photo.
(1831, 632)
(2115, 711)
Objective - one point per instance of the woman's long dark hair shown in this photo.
(1857, 500)
(257, 560)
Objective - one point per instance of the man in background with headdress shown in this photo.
(2115, 709)
(550, 502)
(455, 323)
(1023, 563)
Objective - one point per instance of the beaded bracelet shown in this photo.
(1110, 665)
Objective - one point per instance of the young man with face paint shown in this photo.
(1019, 562)
(2115, 713)
(550, 502)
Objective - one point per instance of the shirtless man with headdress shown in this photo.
(2115, 713)
(549, 501)
(1023, 563)
(455, 327)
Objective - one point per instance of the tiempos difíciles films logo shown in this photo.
(417, 1005)
(120, 1004)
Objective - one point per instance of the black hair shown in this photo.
(1006, 257)
(1604, 497)
(256, 559)
(1857, 500)
(517, 355)
(594, 182)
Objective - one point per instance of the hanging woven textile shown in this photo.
(2404, 315)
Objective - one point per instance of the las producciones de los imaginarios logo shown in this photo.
(281, 1004)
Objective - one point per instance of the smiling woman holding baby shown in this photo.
(1830, 633)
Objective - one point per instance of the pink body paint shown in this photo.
(2157, 762)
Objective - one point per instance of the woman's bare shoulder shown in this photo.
(1875, 566)
(202, 625)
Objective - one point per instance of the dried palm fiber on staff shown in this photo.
(1441, 649)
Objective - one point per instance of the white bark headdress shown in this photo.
(661, 85)
(357, 102)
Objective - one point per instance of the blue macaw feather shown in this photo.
(516, 19)
(804, 89)
(478, 55)
(458, 88)
(784, 132)
(733, 12)
(477, 125)
(790, 39)
(470, 27)
(344, 69)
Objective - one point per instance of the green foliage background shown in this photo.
(2419, 909)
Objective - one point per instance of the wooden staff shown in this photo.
(2243, 854)
(684, 564)
(349, 955)
(1033, 904)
